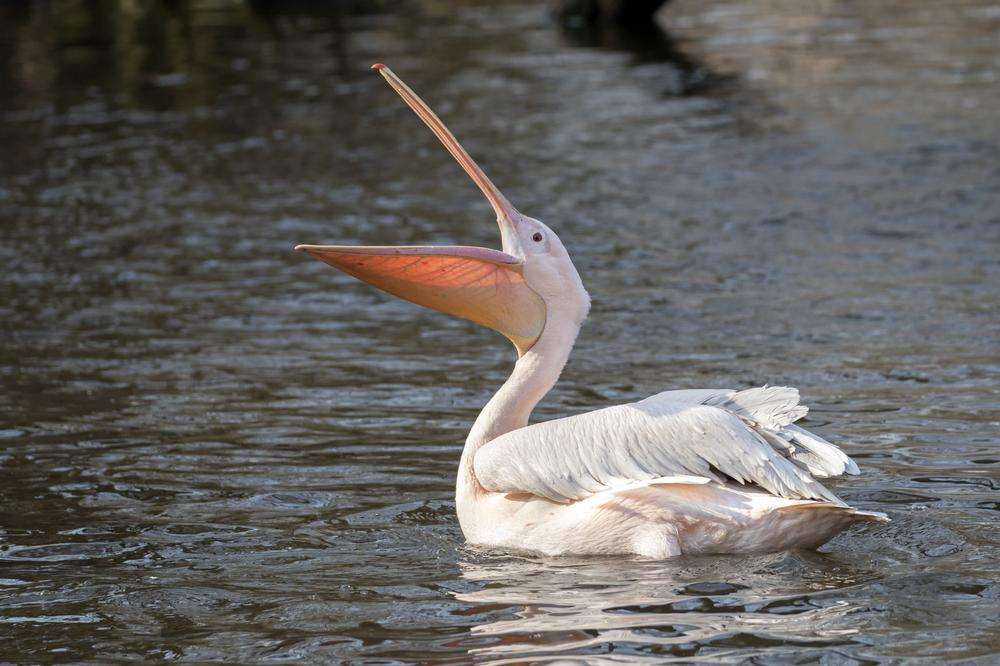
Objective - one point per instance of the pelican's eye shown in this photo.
(537, 237)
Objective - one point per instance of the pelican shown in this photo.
(681, 472)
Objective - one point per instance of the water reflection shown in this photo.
(164, 54)
(649, 611)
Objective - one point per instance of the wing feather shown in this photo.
(821, 458)
(717, 435)
(771, 411)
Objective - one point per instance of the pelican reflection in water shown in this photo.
(526, 608)
(681, 472)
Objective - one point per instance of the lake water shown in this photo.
(214, 448)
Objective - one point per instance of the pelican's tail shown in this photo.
(857, 515)
(811, 524)
(870, 516)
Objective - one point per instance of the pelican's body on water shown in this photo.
(681, 472)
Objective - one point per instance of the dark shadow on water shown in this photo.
(649, 44)
(168, 55)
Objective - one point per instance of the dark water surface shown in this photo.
(214, 448)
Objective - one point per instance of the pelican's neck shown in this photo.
(534, 375)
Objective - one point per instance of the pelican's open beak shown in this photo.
(479, 284)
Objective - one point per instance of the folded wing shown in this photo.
(745, 436)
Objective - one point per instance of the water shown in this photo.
(214, 448)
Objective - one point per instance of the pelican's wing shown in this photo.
(770, 411)
(744, 436)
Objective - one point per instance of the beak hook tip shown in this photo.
(378, 66)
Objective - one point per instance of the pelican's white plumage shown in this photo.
(695, 433)
(690, 471)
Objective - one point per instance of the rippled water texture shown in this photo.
(214, 448)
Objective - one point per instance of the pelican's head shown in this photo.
(530, 286)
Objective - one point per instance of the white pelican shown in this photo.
(681, 472)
